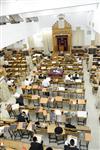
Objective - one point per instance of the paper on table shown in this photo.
(57, 112)
(15, 106)
(82, 114)
(52, 99)
(53, 62)
(78, 80)
(61, 88)
(69, 66)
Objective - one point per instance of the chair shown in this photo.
(36, 102)
(51, 104)
(83, 145)
(81, 121)
(13, 131)
(40, 117)
(60, 139)
(52, 138)
(59, 104)
(24, 133)
(81, 105)
(73, 104)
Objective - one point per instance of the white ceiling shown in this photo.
(77, 12)
(42, 6)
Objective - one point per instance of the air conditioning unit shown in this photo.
(35, 19)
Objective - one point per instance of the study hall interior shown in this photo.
(49, 75)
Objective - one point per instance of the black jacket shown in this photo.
(20, 101)
(21, 118)
(67, 147)
(36, 146)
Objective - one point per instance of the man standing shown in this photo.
(35, 145)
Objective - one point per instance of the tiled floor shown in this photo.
(93, 114)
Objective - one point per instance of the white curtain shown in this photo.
(78, 37)
(97, 38)
(47, 42)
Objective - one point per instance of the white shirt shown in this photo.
(2, 130)
(6, 62)
(45, 83)
(69, 138)
(10, 82)
(67, 78)
(75, 75)
(28, 82)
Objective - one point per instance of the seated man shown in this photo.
(35, 145)
(70, 146)
(10, 82)
(46, 82)
(20, 100)
(58, 130)
(75, 76)
(67, 78)
(22, 117)
(52, 116)
(28, 81)
(42, 76)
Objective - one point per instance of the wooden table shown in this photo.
(34, 97)
(30, 125)
(58, 98)
(9, 121)
(81, 101)
(35, 87)
(21, 126)
(7, 148)
(83, 128)
(23, 87)
(51, 128)
(79, 91)
(41, 110)
(43, 100)
(88, 137)
(28, 87)
(73, 101)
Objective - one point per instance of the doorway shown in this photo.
(62, 43)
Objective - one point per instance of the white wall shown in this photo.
(12, 33)
(96, 20)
